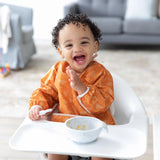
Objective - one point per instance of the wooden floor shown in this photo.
(8, 127)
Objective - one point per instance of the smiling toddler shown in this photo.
(77, 85)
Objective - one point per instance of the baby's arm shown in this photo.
(75, 82)
(43, 98)
(99, 95)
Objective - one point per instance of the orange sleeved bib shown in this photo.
(55, 88)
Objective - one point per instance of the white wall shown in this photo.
(46, 15)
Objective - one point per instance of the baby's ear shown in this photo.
(60, 52)
(95, 46)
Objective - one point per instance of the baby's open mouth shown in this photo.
(79, 59)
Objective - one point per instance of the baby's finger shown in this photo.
(31, 115)
(67, 71)
(72, 74)
(44, 117)
(68, 68)
(36, 113)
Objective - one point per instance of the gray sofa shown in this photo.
(116, 30)
(21, 45)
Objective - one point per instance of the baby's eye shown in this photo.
(84, 42)
(69, 45)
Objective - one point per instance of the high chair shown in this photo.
(126, 140)
(156, 135)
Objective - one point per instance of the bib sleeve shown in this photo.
(46, 96)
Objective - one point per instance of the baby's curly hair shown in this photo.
(76, 19)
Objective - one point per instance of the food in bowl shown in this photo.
(84, 129)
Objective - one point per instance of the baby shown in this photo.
(77, 85)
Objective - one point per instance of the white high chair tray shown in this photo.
(50, 137)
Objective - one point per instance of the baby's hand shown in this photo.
(75, 81)
(35, 114)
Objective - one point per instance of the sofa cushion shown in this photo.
(108, 25)
(114, 8)
(146, 26)
(143, 9)
(27, 33)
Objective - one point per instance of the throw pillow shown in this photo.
(140, 9)
(154, 7)
(158, 8)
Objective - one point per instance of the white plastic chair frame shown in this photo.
(156, 135)
(129, 111)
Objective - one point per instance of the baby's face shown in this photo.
(77, 45)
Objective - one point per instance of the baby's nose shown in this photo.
(77, 48)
